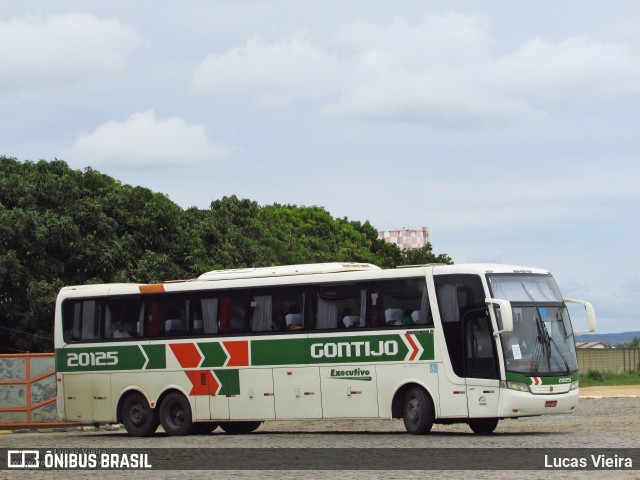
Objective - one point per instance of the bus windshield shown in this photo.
(541, 342)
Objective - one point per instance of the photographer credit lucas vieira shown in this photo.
(592, 461)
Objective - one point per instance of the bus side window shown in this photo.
(154, 324)
(205, 316)
(81, 319)
(232, 313)
(71, 320)
(341, 306)
(403, 302)
(278, 309)
(123, 317)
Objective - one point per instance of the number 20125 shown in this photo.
(94, 359)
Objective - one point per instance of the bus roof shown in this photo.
(287, 270)
(295, 274)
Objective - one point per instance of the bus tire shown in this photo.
(175, 414)
(239, 428)
(203, 428)
(138, 418)
(417, 411)
(483, 426)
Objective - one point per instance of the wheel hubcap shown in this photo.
(413, 411)
(136, 414)
(176, 415)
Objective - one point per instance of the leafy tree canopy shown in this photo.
(60, 226)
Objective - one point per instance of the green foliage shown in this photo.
(594, 378)
(60, 226)
(595, 375)
(635, 343)
(423, 256)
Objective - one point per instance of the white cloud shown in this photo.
(574, 65)
(442, 70)
(60, 50)
(143, 140)
(274, 74)
(516, 201)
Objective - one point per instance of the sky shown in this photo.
(509, 129)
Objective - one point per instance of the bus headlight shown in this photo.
(574, 385)
(519, 386)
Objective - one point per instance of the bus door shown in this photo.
(481, 366)
(470, 386)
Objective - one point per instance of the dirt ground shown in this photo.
(620, 391)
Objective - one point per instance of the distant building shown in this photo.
(406, 239)
(590, 345)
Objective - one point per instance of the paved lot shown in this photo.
(599, 423)
(621, 391)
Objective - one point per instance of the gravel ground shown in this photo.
(611, 422)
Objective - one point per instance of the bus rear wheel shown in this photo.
(175, 414)
(483, 426)
(138, 418)
(239, 428)
(417, 411)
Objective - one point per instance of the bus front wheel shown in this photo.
(175, 414)
(204, 428)
(483, 426)
(138, 418)
(417, 411)
(239, 428)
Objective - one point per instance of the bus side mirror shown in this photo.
(591, 314)
(505, 314)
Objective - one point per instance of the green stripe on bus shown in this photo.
(426, 342)
(357, 349)
(229, 381)
(391, 347)
(546, 380)
(214, 354)
(105, 358)
(279, 352)
(157, 357)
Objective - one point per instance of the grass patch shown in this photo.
(595, 378)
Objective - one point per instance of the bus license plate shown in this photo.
(550, 403)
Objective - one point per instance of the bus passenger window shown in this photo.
(123, 318)
(205, 316)
(278, 310)
(341, 306)
(81, 319)
(167, 315)
(400, 303)
(232, 313)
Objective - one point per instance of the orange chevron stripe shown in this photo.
(203, 382)
(187, 354)
(238, 353)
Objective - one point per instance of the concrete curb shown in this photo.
(82, 428)
(596, 397)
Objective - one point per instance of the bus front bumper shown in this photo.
(523, 404)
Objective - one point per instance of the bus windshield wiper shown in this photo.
(564, 360)
(546, 340)
(541, 343)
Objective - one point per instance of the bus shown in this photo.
(426, 344)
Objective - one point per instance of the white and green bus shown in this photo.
(428, 344)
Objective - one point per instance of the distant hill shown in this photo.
(612, 339)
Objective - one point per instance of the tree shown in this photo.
(60, 226)
(635, 343)
(423, 256)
